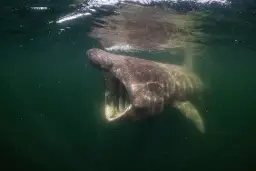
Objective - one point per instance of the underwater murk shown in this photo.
(148, 85)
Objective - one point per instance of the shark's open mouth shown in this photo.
(117, 101)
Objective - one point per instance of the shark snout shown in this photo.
(99, 58)
(92, 52)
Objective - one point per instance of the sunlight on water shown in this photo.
(113, 2)
(86, 7)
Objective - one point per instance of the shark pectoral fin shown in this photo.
(190, 112)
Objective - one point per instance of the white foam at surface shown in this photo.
(123, 47)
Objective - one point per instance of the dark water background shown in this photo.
(51, 98)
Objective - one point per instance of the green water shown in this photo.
(51, 102)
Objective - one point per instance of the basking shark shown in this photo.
(137, 88)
